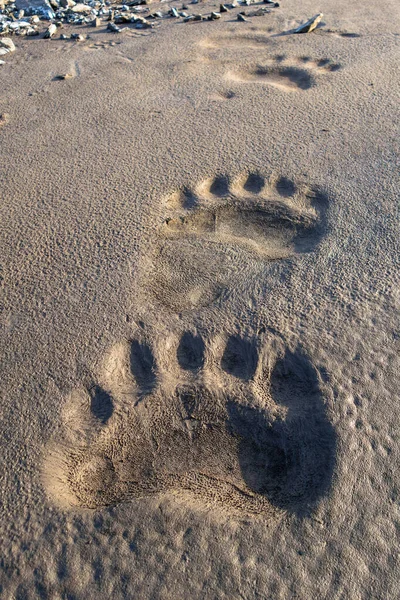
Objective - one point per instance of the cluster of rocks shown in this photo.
(14, 21)
(23, 17)
(215, 15)
(6, 46)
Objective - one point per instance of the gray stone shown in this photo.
(6, 46)
(310, 25)
(41, 7)
(51, 30)
(113, 27)
(32, 32)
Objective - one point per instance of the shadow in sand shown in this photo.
(190, 353)
(101, 404)
(143, 367)
(240, 357)
(289, 461)
(310, 233)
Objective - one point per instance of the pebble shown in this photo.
(51, 30)
(310, 25)
(6, 46)
(193, 18)
(4, 117)
(259, 13)
(64, 76)
(241, 17)
(81, 8)
(113, 27)
(223, 8)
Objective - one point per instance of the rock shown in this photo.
(40, 7)
(123, 18)
(32, 31)
(4, 117)
(259, 13)
(143, 24)
(64, 76)
(63, 37)
(223, 8)
(67, 3)
(81, 8)
(18, 25)
(310, 25)
(34, 19)
(51, 30)
(96, 22)
(78, 37)
(193, 18)
(2, 62)
(138, 2)
(113, 27)
(241, 17)
(214, 16)
(174, 13)
(6, 46)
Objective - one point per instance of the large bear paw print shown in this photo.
(225, 425)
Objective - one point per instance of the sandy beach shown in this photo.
(200, 303)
